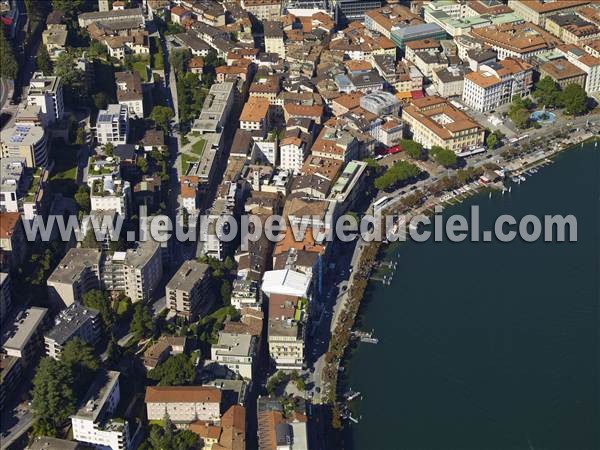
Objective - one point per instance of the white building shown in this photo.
(496, 84)
(274, 38)
(25, 140)
(94, 424)
(236, 352)
(112, 125)
(47, 93)
(11, 183)
(110, 194)
(183, 404)
(586, 62)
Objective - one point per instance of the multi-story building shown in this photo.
(23, 337)
(384, 20)
(76, 321)
(563, 72)
(586, 62)
(10, 377)
(188, 292)
(572, 28)
(263, 9)
(403, 76)
(449, 81)
(183, 404)
(434, 121)
(391, 132)
(236, 352)
(216, 108)
(161, 350)
(274, 38)
(28, 141)
(112, 125)
(294, 148)
(5, 296)
(136, 272)
(12, 239)
(130, 93)
(190, 196)
(285, 332)
(94, 423)
(12, 183)
(255, 115)
(496, 84)
(110, 194)
(47, 93)
(524, 40)
(353, 10)
(129, 14)
(537, 11)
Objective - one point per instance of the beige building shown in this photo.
(434, 121)
(563, 72)
(572, 29)
(183, 404)
(188, 291)
(274, 38)
(285, 333)
(255, 115)
(537, 11)
(263, 9)
(77, 273)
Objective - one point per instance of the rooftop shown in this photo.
(98, 393)
(188, 275)
(17, 334)
(69, 320)
(182, 394)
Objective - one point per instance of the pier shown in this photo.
(365, 336)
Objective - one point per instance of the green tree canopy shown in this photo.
(82, 361)
(575, 99)
(170, 438)
(547, 92)
(53, 400)
(8, 62)
(400, 171)
(99, 300)
(141, 323)
(177, 370)
(443, 156)
(68, 6)
(82, 198)
(412, 148)
(161, 116)
(43, 61)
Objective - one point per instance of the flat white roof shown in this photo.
(286, 282)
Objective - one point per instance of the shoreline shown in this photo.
(371, 265)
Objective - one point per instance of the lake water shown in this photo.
(489, 346)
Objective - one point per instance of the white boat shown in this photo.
(522, 178)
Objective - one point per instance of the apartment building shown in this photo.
(47, 93)
(263, 9)
(188, 292)
(5, 296)
(28, 141)
(435, 121)
(255, 115)
(110, 193)
(112, 125)
(496, 84)
(94, 423)
(130, 93)
(12, 239)
(449, 81)
(131, 14)
(294, 149)
(274, 38)
(285, 333)
(183, 404)
(537, 11)
(216, 108)
(384, 20)
(236, 352)
(135, 272)
(563, 72)
(586, 62)
(572, 28)
(12, 183)
(11, 376)
(76, 321)
(23, 336)
(77, 273)
(523, 40)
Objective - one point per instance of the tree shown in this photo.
(53, 400)
(400, 171)
(161, 116)
(82, 198)
(80, 136)
(412, 148)
(520, 117)
(100, 100)
(547, 92)
(99, 300)
(82, 361)
(141, 324)
(226, 292)
(491, 141)
(108, 149)
(575, 100)
(68, 6)
(8, 62)
(177, 370)
(443, 156)
(43, 61)
(142, 165)
(178, 60)
(170, 438)
(72, 78)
